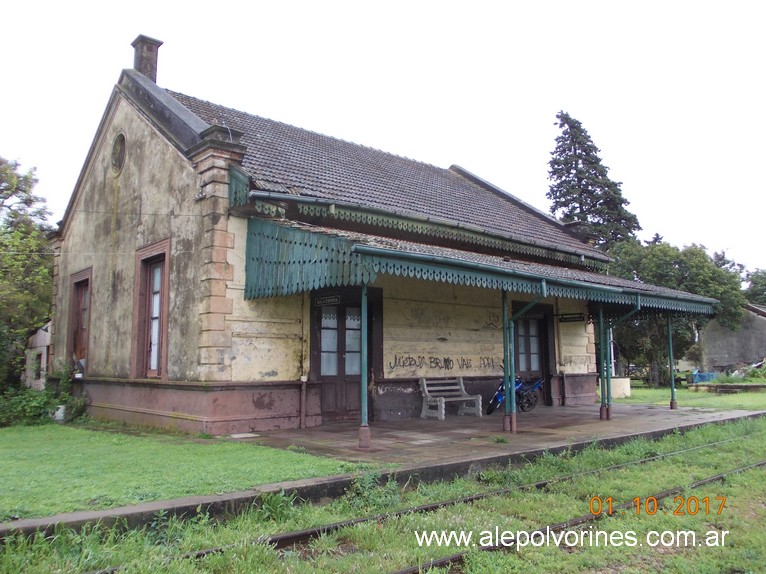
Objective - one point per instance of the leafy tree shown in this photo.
(756, 290)
(689, 269)
(724, 262)
(26, 268)
(16, 193)
(582, 192)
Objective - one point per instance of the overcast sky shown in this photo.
(672, 92)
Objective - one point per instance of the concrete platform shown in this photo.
(417, 442)
(416, 449)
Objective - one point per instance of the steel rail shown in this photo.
(459, 558)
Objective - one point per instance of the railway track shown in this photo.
(302, 538)
(458, 558)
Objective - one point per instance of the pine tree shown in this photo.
(582, 192)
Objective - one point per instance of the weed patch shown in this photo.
(275, 506)
(368, 494)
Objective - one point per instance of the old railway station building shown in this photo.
(220, 272)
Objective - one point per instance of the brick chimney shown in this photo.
(145, 58)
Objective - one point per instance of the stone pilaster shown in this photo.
(212, 158)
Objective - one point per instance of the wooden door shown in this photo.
(529, 348)
(340, 360)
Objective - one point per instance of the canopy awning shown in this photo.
(285, 258)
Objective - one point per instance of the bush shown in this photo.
(26, 407)
(76, 409)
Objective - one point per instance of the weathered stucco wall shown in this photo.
(116, 213)
(440, 330)
(269, 337)
(576, 341)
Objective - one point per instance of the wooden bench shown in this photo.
(438, 392)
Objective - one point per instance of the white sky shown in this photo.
(672, 92)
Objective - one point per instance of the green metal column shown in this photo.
(506, 363)
(509, 420)
(364, 429)
(609, 373)
(601, 369)
(673, 403)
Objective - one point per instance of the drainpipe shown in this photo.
(304, 379)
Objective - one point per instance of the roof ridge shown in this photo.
(463, 172)
(508, 196)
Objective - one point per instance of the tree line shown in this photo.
(584, 197)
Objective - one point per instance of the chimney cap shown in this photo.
(141, 39)
(145, 56)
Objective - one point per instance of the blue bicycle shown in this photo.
(526, 395)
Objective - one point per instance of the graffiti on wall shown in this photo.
(441, 363)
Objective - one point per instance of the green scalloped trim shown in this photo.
(269, 209)
(282, 260)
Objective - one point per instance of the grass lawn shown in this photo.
(687, 398)
(52, 468)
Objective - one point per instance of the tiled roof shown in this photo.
(285, 159)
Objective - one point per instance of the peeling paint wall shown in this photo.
(442, 330)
